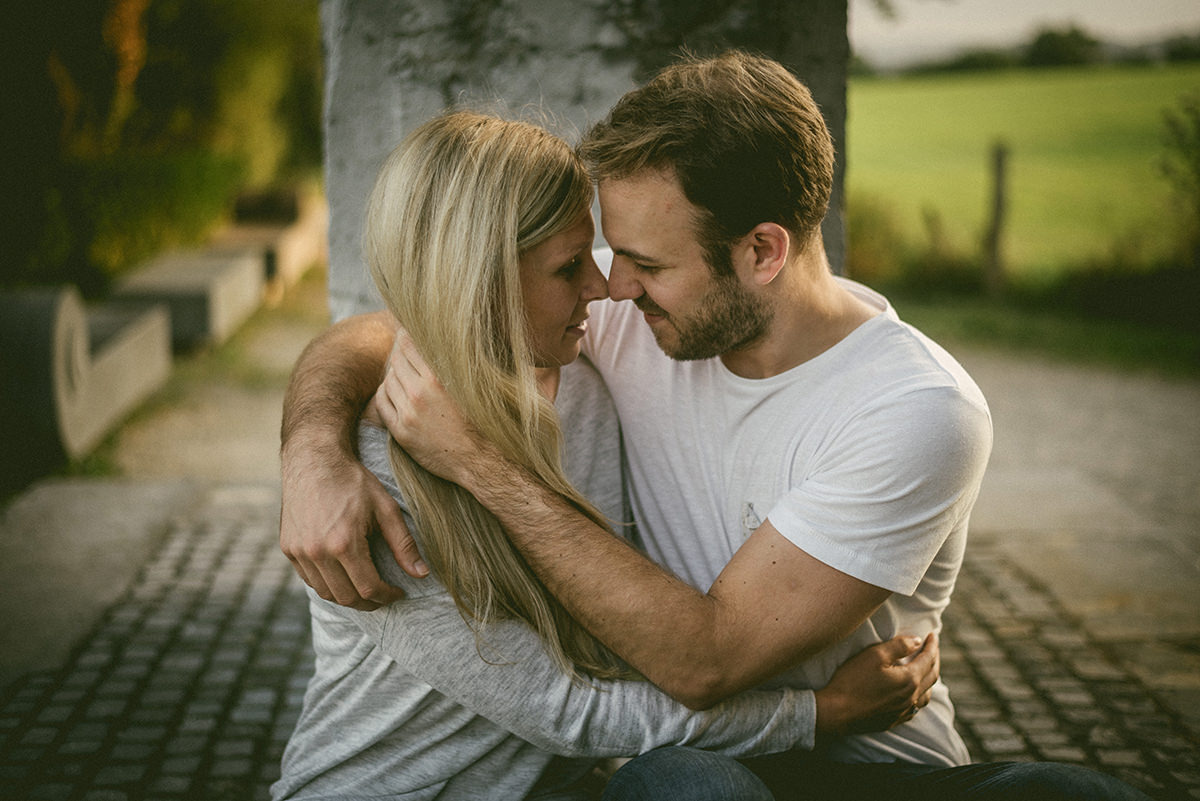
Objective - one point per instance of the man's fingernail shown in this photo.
(421, 567)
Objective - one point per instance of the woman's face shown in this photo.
(559, 278)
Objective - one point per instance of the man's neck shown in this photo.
(812, 313)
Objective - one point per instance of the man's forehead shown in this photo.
(651, 181)
(646, 217)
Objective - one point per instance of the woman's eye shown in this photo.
(569, 269)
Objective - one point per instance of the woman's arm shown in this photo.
(508, 678)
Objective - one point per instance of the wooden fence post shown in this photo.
(993, 267)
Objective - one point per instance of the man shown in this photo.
(792, 445)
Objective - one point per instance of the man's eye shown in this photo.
(647, 268)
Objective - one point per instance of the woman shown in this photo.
(479, 685)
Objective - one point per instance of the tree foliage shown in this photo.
(142, 119)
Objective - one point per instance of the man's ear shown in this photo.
(769, 245)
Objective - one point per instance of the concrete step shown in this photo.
(210, 293)
(71, 372)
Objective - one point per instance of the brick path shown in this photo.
(189, 686)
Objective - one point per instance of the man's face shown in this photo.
(659, 264)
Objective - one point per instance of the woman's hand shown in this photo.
(421, 415)
(880, 687)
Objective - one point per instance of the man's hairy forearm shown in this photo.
(551, 534)
(333, 380)
(699, 647)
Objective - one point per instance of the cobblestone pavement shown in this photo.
(190, 684)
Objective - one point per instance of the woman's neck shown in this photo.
(547, 380)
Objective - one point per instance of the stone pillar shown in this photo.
(390, 65)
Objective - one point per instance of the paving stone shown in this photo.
(51, 792)
(181, 766)
(1082, 715)
(1072, 698)
(129, 752)
(172, 785)
(106, 795)
(1121, 757)
(80, 747)
(1096, 670)
(55, 714)
(1013, 690)
(187, 745)
(1049, 739)
(147, 716)
(1065, 754)
(102, 709)
(1004, 747)
(978, 712)
(226, 768)
(234, 748)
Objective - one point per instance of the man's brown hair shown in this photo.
(740, 133)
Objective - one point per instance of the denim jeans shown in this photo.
(691, 775)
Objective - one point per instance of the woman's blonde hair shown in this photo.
(453, 209)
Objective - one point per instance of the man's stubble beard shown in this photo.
(728, 318)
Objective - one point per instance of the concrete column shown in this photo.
(392, 64)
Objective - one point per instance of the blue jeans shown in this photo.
(685, 773)
(688, 774)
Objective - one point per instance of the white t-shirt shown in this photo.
(869, 457)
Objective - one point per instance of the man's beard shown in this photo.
(727, 318)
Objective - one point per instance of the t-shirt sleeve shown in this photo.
(508, 677)
(889, 487)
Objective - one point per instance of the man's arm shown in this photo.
(330, 501)
(710, 645)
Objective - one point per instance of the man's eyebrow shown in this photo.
(638, 257)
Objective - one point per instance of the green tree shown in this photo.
(1057, 48)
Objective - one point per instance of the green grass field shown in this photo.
(1085, 147)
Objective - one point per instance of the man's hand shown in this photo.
(330, 505)
(420, 415)
(880, 687)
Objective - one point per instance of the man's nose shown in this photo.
(621, 283)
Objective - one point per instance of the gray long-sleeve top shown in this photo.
(406, 703)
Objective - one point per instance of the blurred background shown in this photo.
(1094, 108)
(135, 126)
(144, 125)
(1022, 179)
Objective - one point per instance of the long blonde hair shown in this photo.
(453, 209)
